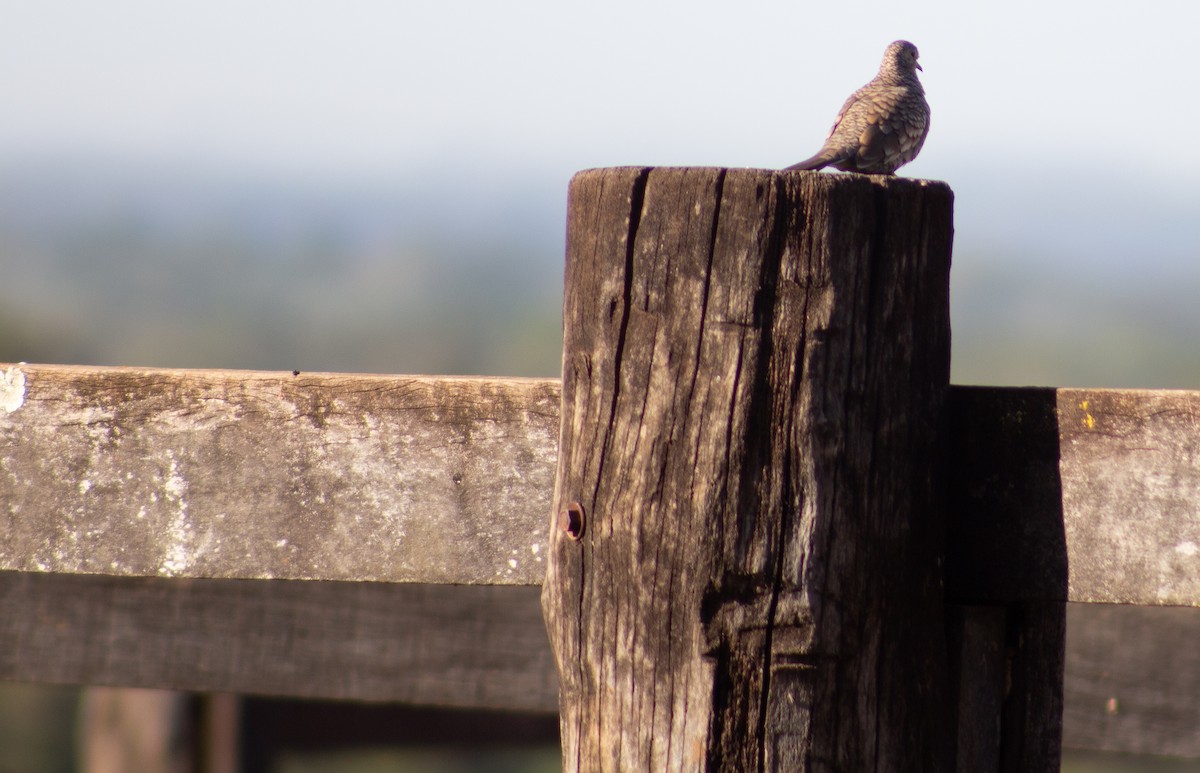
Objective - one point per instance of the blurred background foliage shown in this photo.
(461, 274)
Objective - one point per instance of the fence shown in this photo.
(769, 534)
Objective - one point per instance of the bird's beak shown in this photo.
(919, 67)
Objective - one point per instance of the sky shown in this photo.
(1066, 129)
(374, 88)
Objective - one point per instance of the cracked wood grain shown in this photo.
(753, 372)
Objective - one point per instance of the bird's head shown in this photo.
(900, 60)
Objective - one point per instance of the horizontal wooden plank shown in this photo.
(1130, 466)
(1132, 674)
(1129, 680)
(1132, 679)
(1087, 495)
(190, 473)
(444, 645)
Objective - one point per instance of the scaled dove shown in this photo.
(883, 125)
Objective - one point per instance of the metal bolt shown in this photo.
(570, 520)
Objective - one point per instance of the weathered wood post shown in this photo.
(754, 370)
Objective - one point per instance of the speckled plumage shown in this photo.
(883, 125)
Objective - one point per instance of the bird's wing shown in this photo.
(847, 107)
(892, 131)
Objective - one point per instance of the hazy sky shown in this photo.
(378, 89)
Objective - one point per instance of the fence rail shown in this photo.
(1083, 495)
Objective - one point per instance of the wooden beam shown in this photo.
(191, 473)
(185, 473)
(754, 369)
(1132, 679)
(1074, 494)
(1130, 467)
(441, 645)
(1132, 674)
(1129, 681)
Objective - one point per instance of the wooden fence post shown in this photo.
(745, 567)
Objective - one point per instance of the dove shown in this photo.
(883, 125)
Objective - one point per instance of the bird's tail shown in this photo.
(818, 161)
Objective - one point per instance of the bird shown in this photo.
(883, 125)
